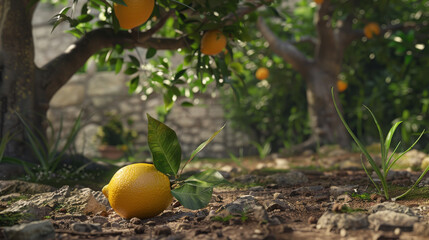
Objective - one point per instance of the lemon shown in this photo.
(262, 73)
(213, 42)
(138, 190)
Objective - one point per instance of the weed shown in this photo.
(363, 196)
(386, 161)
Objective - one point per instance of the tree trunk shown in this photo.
(18, 92)
(324, 121)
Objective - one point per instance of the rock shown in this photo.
(391, 206)
(83, 201)
(29, 231)
(139, 229)
(387, 220)
(310, 190)
(312, 220)
(421, 229)
(425, 163)
(85, 227)
(276, 205)
(163, 231)
(246, 179)
(136, 221)
(287, 179)
(99, 219)
(330, 220)
(413, 159)
(345, 198)
(16, 186)
(339, 190)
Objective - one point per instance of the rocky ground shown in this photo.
(262, 202)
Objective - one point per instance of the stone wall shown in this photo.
(97, 93)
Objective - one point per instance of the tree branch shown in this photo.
(284, 49)
(57, 72)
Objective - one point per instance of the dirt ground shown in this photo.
(293, 210)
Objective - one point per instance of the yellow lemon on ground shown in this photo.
(213, 42)
(371, 29)
(138, 190)
(134, 14)
(341, 86)
(262, 73)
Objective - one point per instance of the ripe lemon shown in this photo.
(262, 73)
(318, 1)
(371, 29)
(213, 42)
(138, 190)
(135, 13)
(341, 86)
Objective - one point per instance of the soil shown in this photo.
(303, 205)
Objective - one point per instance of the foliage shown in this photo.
(194, 192)
(48, 151)
(263, 149)
(390, 68)
(114, 133)
(386, 161)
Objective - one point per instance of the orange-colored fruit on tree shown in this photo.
(371, 29)
(135, 13)
(213, 42)
(262, 73)
(138, 190)
(341, 86)
(318, 1)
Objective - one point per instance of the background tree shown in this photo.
(27, 89)
(314, 40)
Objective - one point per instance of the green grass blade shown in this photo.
(360, 145)
(380, 132)
(390, 158)
(369, 176)
(390, 136)
(402, 154)
(415, 184)
(35, 143)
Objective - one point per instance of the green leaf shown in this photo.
(179, 74)
(164, 146)
(208, 178)
(382, 146)
(150, 53)
(120, 2)
(134, 83)
(193, 197)
(118, 65)
(202, 146)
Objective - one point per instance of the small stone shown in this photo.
(31, 231)
(151, 223)
(421, 229)
(312, 220)
(139, 229)
(345, 198)
(276, 204)
(343, 232)
(184, 226)
(397, 231)
(391, 206)
(99, 219)
(136, 221)
(278, 195)
(387, 220)
(206, 230)
(378, 198)
(163, 231)
(85, 227)
(103, 214)
(256, 189)
(115, 225)
(331, 220)
(176, 204)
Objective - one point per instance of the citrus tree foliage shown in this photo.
(176, 25)
(387, 72)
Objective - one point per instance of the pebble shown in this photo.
(139, 229)
(99, 219)
(136, 221)
(85, 227)
(31, 231)
(163, 231)
(312, 220)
